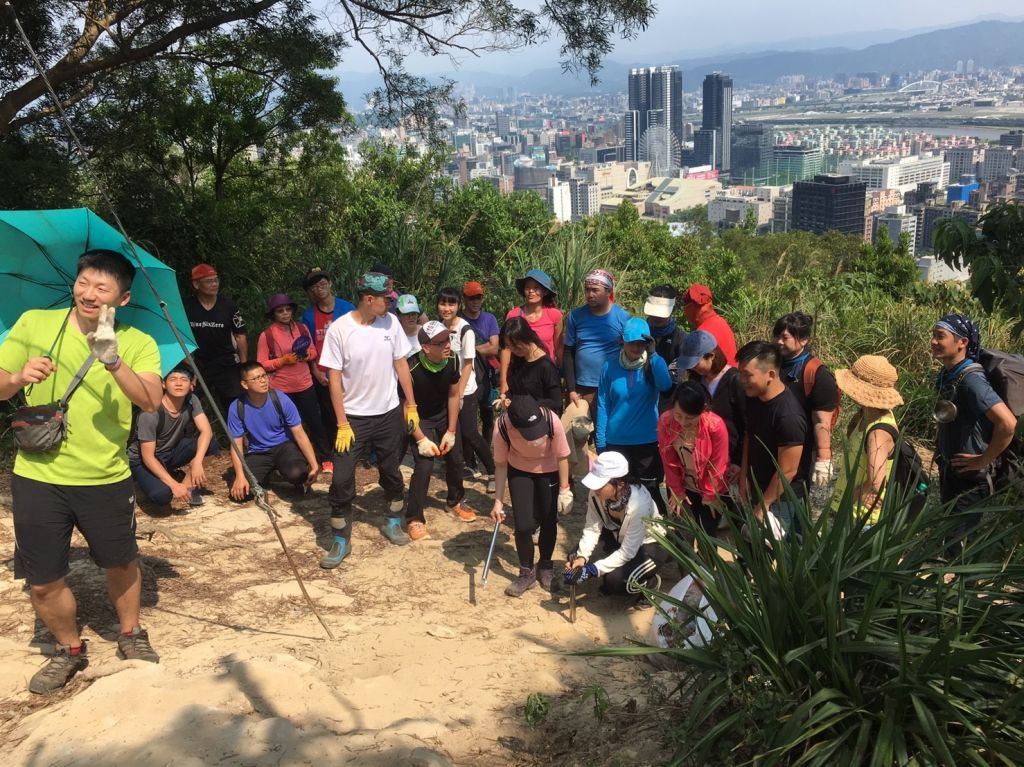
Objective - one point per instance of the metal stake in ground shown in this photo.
(490, 553)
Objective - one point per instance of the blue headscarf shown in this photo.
(963, 326)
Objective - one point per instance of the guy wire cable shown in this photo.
(259, 494)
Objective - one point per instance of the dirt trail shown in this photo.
(427, 668)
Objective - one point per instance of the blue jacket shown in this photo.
(341, 306)
(627, 405)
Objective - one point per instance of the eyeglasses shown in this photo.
(474, 298)
(256, 379)
(209, 281)
(178, 379)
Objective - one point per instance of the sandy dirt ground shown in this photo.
(428, 667)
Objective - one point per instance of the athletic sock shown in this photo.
(75, 650)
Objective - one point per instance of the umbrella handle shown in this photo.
(490, 553)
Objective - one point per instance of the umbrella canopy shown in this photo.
(39, 251)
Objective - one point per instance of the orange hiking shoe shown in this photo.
(417, 531)
(463, 512)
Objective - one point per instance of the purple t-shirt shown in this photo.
(483, 326)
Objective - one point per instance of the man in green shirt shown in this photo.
(85, 481)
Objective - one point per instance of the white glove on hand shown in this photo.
(103, 340)
(822, 473)
(447, 442)
(565, 500)
(427, 448)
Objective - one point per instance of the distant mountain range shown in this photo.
(991, 43)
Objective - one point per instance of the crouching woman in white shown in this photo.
(616, 510)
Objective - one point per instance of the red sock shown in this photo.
(75, 650)
(127, 633)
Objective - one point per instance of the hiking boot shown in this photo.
(526, 581)
(327, 467)
(196, 498)
(546, 575)
(136, 646)
(58, 670)
(334, 557)
(393, 531)
(418, 530)
(463, 512)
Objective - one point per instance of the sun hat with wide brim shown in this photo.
(870, 382)
(276, 302)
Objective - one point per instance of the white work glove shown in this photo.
(103, 340)
(447, 442)
(775, 526)
(822, 473)
(565, 500)
(427, 448)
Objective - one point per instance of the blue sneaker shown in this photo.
(393, 531)
(334, 557)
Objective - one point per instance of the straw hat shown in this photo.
(870, 382)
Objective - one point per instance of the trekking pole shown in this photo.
(490, 553)
(572, 603)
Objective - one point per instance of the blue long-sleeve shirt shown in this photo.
(627, 405)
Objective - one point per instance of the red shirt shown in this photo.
(716, 325)
(272, 344)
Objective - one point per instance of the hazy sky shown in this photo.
(690, 28)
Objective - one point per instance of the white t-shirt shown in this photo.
(365, 355)
(414, 343)
(464, 349)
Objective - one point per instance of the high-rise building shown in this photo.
(1014, 138)
(585, 197)
(829, 202)
(782, 212)
(903, 173)
(751, 153)
(502, 124)
(655, 100)
(717, 115)
(705, 146)
(791, 163)
(997, 163)
(896, 221)
(963, 161)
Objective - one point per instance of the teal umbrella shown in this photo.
(39, 250)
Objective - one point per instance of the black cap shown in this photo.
(528, 417)
(313, 276)
(381, 268)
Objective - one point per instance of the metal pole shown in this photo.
(490, 553)
(572, 603)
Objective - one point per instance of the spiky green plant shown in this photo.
(857, 645)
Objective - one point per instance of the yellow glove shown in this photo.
(412, 418)
(345, 438)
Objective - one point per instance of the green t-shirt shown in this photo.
(855, 461)
(99, 414)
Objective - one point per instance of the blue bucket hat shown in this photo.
(373, 282)
(695, 345)
(636, 329)
(537, 275)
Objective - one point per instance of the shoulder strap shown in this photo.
(503, 430)
(889, 429)
(240, 412)
(77, 379)
(277, 406)
(809, 374)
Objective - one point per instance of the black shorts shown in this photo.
(45, 515)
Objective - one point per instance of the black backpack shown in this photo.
(1005, 374)
(240, 410)
(503, 427)
(908, 472)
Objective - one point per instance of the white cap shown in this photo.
(608, 466)
(659, 306)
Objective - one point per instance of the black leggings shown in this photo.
(534, 504)
(473, 442)
(637, 572)
(703, 513)
(308, 405)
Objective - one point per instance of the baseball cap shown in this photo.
(183, 369)
(527, 416)
(313, 276)
(695, 345)
(434, 332)
(472, 289)
(407, 304)
(636, 329)
(609, 465)
(697, 294)
(202, 271)
(373, 282)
